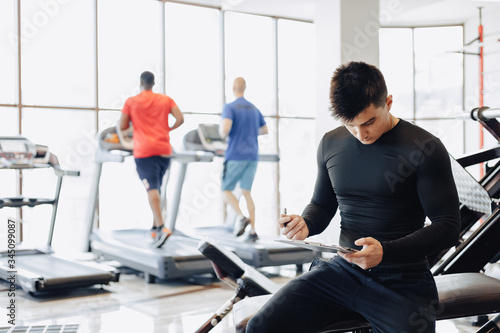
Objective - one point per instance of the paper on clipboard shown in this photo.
(317, 246)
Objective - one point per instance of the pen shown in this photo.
(284, 213)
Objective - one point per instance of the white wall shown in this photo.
(346, 30)
(328, 40)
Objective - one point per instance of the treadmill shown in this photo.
(179, 256)
(265, 251)
(37, 270)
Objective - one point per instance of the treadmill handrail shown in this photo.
(20, 201)
(193, 156)
(193, 141)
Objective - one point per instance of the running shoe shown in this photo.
(160, 236)
(241, 225)
(251, 238)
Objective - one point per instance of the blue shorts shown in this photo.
(151, 171)
(238, 171)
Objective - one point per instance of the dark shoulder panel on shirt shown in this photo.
(411, 136)
(415, 148)
(336, 140)
(336, 136)
(413, 130)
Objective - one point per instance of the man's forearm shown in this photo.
(223, 134)
(436, 237)
(124, 124)
(177, 124)
(263, 130)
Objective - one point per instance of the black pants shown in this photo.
(401, 299)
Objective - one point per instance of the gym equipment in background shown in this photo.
(38, 270)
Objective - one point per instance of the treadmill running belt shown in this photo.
(73, 328)
(51, 267)
(140, 239)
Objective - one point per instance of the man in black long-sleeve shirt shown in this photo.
(385, 176)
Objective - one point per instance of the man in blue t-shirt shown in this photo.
(243, 122)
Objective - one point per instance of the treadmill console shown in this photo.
(210, 138)
(126, 137)
(113, 138)
(207, 138)
(16, 152)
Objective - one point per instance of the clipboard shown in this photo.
(317, 246)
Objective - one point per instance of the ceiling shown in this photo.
(408, 13)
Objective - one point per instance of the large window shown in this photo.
(438, 71)
(58, 53)
(8, 178)
(8, 45)
(298, 163)
(250, 54)
(73, 145)
(10, 121)
(80, 61)
(396, 62)
(193, 57)
(297, 68)
(425, 77)
(126, 49)
(297, 146)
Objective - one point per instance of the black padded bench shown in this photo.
(460, 295)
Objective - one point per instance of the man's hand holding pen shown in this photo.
(293, 226)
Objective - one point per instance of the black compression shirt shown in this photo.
(385, 190)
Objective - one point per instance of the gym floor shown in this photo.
(132, 305)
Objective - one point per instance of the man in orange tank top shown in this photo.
(149, 113)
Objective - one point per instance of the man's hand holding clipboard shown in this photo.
(295, 229)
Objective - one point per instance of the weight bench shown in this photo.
(460, 295)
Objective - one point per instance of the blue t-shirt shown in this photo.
(247, 120)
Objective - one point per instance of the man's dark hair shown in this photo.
(147, 80)
(354, 87)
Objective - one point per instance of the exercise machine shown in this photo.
(178, 257)
(265, 251)
(482, 245)
(38, 269)
(231, 270)
(475, 204)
